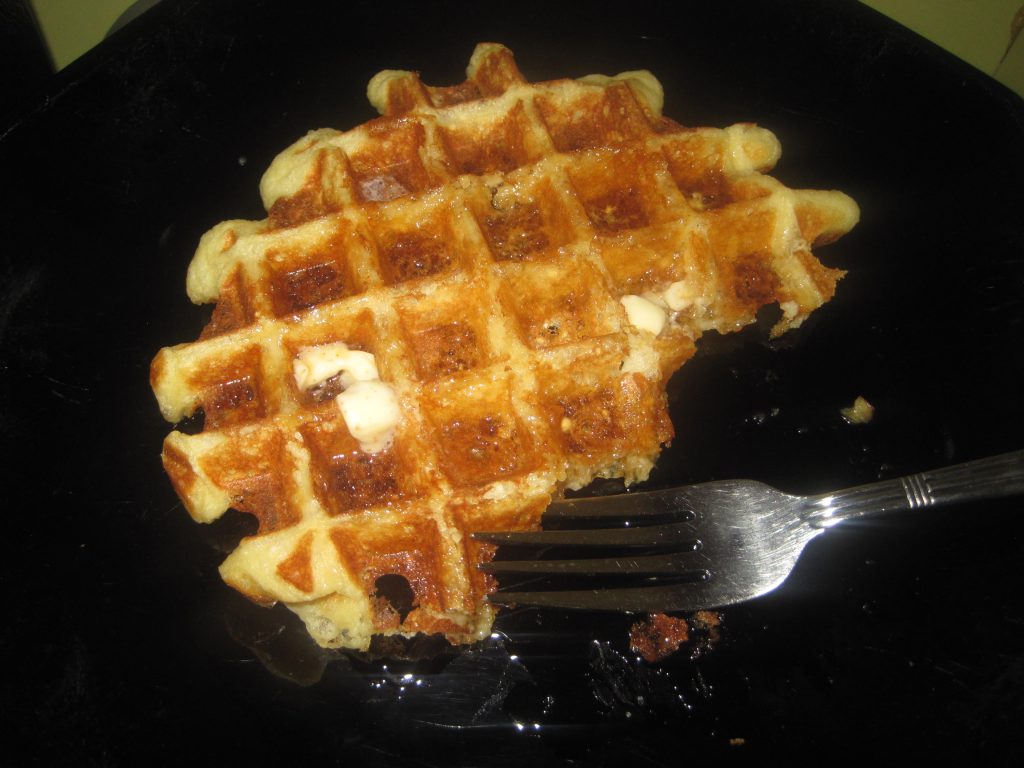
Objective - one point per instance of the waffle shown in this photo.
(527, 264)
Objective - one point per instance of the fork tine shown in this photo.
(674, 563)
(626, 505)
(643, 536)
(654, 599)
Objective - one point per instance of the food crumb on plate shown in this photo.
(658, 636)
(861, 412)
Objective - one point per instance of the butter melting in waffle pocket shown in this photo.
(525, 265)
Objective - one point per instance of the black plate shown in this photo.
(121, 645)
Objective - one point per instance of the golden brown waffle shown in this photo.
(478, 241)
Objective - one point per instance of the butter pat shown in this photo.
(315, 365)
(682, 295)
(368, 405)
(644, 314)
(371, 412)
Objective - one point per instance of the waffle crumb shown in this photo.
(707, 619)
(658, 636)
(525, 265)
(861, 412)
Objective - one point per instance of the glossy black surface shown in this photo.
(119, 643)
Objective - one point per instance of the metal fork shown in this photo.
(725, 541)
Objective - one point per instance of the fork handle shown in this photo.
(996, 476)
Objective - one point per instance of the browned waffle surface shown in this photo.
(525, 264)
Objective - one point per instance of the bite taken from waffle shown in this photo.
(456, 311)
